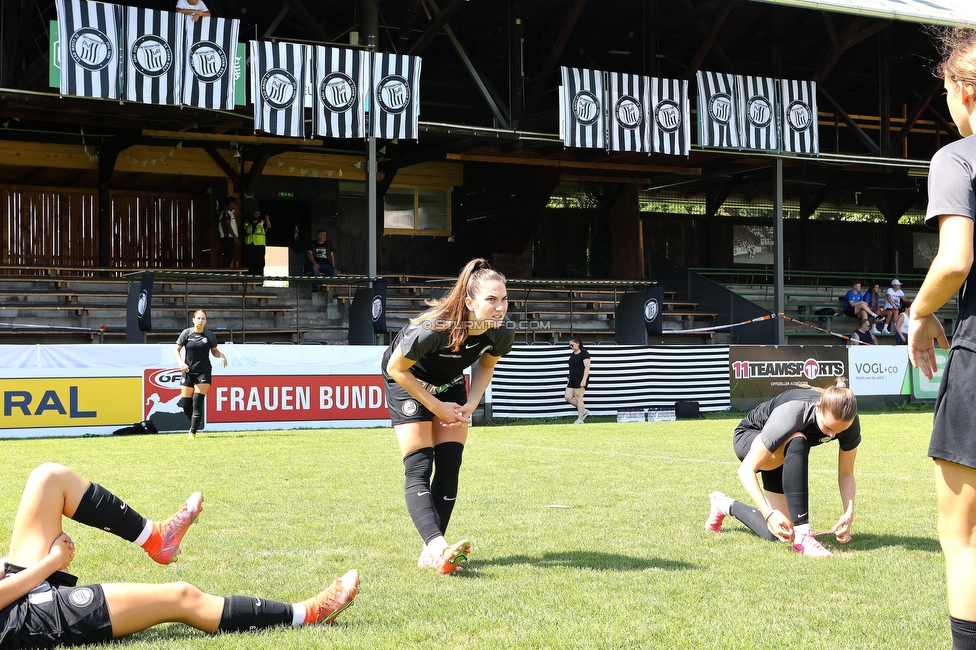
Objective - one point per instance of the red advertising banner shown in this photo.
(296, 397)
(269, 398)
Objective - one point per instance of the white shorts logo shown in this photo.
(81, 597)
(410, 408)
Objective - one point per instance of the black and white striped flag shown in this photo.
(339, 106)
(584, 122)
(629, 102)
(90, 36)
(278, 87)
(395, 105)
(758, 128)
(209, 49)
(718, 120)
(153, 45)
(800, 125)
(671, 117)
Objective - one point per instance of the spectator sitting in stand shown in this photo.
(863, 333)
(901, 325)
(874, 302)
(321, 258)
(854, 305)
(892, 305)
(195, 8)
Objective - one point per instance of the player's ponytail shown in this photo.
(450, 313)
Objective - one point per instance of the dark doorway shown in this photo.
(291, 223)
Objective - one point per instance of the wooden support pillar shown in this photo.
(108, 153)
(628, 236)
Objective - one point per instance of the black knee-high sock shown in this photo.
(963, 634)
(753, 520)
(243, 613)
(444, 486)
(99, 508)
(796, 482)
(186, 403)
(417, 467)
(199, 403)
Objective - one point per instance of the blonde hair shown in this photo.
(837, 400)
(958, 55)
(450, 313)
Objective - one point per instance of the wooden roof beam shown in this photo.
(569, 23)
(573, 164)
(709, 42)
(852, 37)
(916, 113)
(435, 27)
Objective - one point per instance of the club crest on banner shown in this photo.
(90, 48)
(208, 61)
(760, 111)
(651, 310)
(798, 116)
(338, 92)
(720, 108)
(586, 107)
(393, 93)
(668, 116)
(279, 88)
(151, 56)
(143, 302)
(629, 112)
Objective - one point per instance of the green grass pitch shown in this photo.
(626, 564)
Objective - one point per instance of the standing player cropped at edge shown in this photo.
(774, 440)
(952, 206)
(197, 371)
(429, 404)
(41, 605)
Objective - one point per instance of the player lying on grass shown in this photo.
(41, 606)
(774, 440)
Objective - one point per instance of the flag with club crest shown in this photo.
(395, 103)
(718, 120)
(209, 49)
(153, 45)
(338, 103)
(584, 121)
(758, 127)
(800, 125)
(278, 87)
(90, 36)
(670, 117)
(628, 103)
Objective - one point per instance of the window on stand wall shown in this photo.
(409, 211)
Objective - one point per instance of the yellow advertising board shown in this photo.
(70, 402)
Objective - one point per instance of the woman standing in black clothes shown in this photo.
(199, 343)
(579, 376)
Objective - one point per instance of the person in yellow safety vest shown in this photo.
(255, 239)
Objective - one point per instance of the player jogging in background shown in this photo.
(953, 446)
(41, 605)
(430, 406)
(199, 343)
(774, 440)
